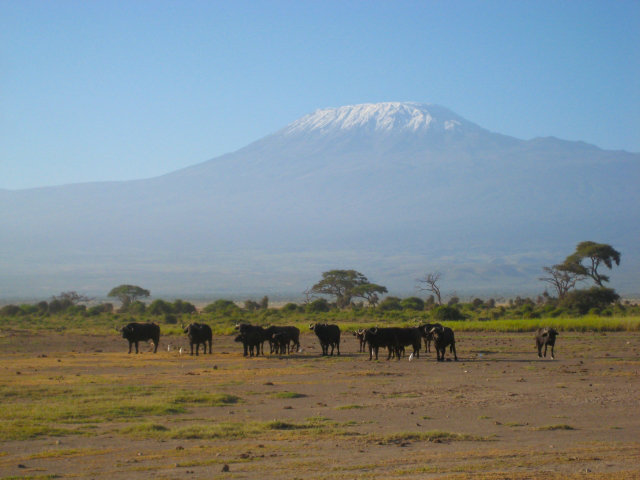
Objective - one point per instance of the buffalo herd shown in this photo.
(284, 340)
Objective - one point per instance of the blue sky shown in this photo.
(110, 90)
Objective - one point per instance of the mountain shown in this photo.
(393, 190)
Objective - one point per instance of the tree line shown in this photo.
(351, 290)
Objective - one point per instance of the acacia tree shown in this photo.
(430, 284)
(369, 291)
(594, 255)
(127, 294)
(71, 297)
(561, 278)
(345, 285)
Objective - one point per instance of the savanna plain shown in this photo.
(78, 406)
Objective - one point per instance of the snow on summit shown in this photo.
(378, 117)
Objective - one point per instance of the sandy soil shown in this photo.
(574, 417)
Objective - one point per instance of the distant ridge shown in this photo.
(391, 189)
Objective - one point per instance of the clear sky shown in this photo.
(117, 90)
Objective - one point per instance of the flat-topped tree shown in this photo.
(594, 255)
(127, 294)
(347, 284)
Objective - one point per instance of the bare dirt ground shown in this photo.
(498, 413)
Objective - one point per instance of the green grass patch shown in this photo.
(206, 399)
(222, 322)
(35, 411)
(436, 436)
(235, 430)
(28, 431)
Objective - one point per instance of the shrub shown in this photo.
(318, 305)
(98, 309)
(10, 310)
(413, 303)
(59, 305)
(135, 308)
(251, 306)
(159, 307)
(581, 301)
(290, 307)
(221, 306)
(180, 306)
(390, 303)
(447, 312)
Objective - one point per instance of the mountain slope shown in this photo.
(391, 189)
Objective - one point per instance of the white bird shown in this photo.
(169, 348)
(180, 351)
(411, 357)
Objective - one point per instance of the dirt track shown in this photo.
(575, 417)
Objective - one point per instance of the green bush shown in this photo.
(318, 305)
(180, 306)
(159, 307)
(447, 312)
(582, 301)
(390, 303)
(290, 307)
(135, 308)
(221, 306)
(11, 310)
(412, 303)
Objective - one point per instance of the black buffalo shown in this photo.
(443, 337)
(410, 336)
(141, 332)
(328, 335)
(425, 331)
(382, 337)
(251, 336)
(290, 334)
(199, 333)
(280, 343)
(546, 336)
(250, 344)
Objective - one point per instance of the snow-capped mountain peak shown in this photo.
(380, 117)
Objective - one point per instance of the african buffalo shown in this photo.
(251, 336)
(291, 334)
(250, 342)
(141, 332)
(442, 338)
(425, 331)
(280, 342)
(199, 333)
(382, 337)
(546, 336)
(409, 336)
(328, 335)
